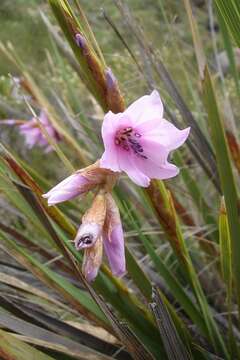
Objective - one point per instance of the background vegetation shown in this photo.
(180, 297)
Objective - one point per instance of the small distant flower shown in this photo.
(32, 132)
(138, 141)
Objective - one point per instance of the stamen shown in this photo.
(124, 138)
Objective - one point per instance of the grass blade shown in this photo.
(225, 172)
(174, 347)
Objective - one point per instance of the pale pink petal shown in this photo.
(109, 160)
(154, 151)
(146, 108)
(91, 271)
(114, 249)
(127, 164)
(61, 196)
(69, 188)
(44, 118)
(155, 171)
(111, 124)
(32, 136)
(165, 134)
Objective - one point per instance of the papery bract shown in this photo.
(138, 141)
(92, 260)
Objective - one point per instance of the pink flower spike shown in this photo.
(138, 141)
(68, 189)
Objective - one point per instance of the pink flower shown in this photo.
(33, 133)
(139, 140)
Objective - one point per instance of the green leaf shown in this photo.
(225, 171)
(230, 12)
(173, 344)
(14, 349)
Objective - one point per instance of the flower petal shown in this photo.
(69, 188)
(146, 108)
(114, 249)
(109, 158)
(127, 164)
(154, 171)
(111, 124)
(44, 118)
(57, 197)
(113, 240)
(165, 134)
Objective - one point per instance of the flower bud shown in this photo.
(114, 97)
(92, 223)
(81, 42)
(110, 79)
(87, 235)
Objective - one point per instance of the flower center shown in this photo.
(127, 138)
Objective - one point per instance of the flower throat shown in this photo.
(127, 138)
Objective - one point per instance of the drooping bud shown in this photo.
(87, 235)
(92, 223)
